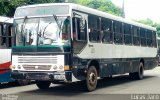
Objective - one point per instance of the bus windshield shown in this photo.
(42, 31)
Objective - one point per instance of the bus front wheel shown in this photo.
(91, 78)
(43, 84)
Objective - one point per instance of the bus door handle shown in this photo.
(90, 45)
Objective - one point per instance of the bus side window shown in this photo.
(3, 36)
(117, 28)
(74, 28)
(154, 39)
(0, 35)
(149, 38)
(106, 27)
(94, 27)
(127, 34)
(135, 33)
(10, 30)
(143, 37)
(66, 29)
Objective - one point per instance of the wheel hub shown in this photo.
(92, 78)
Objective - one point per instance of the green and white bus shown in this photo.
(64, 43)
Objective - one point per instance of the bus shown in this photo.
(65, 42)
(6, 30)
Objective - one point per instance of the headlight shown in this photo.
(12, 67)
(55, 67)
(61, 67)
(19, 67)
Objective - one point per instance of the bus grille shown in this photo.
(37, 67)
(38, 59)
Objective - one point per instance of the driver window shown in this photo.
(79, 29)
(66, 29)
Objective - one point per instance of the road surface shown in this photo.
(118, 87)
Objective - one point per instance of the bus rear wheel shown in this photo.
(91, 79)
(43, 84)
(138, 75)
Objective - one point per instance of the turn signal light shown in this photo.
(66, 67)
(12, 67)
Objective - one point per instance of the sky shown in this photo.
(140, 9)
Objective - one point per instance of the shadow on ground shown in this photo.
(11, 85)
(77, 88)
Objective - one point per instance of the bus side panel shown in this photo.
(112, 68)
(150, 63)
(122, 66)
(5, 77)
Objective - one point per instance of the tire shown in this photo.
(43, 84)
(138, 75)
(23, 82)
(91, 79)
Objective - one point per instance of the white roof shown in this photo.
(95, 12)
(6, 19)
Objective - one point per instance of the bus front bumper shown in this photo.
(49, 76)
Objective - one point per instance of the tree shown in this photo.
(146, 22)
(151, 23)
(7, 7)
(102, 5)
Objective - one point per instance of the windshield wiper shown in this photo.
(56, 19)
(24, 21)
(22, 28)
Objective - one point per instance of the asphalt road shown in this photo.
(116, 88)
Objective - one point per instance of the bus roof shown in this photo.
(6, 19)
(94, 12)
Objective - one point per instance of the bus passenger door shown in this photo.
(79, 32)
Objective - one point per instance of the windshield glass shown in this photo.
(42, 31)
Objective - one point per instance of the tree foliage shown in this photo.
(102, 5)
(7, 7)
(151, 23)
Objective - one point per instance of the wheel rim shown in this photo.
(92, 78)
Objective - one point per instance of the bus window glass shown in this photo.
(0, 35)
(42, 31)
(81, 28)
(117, 27)
(106, 28)
(135, 32)
(4, 36)
(10, 30)
(127, 34)
(94, 28)
(0, 30)
(143, 37)
(154, 39)
(149, 38)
